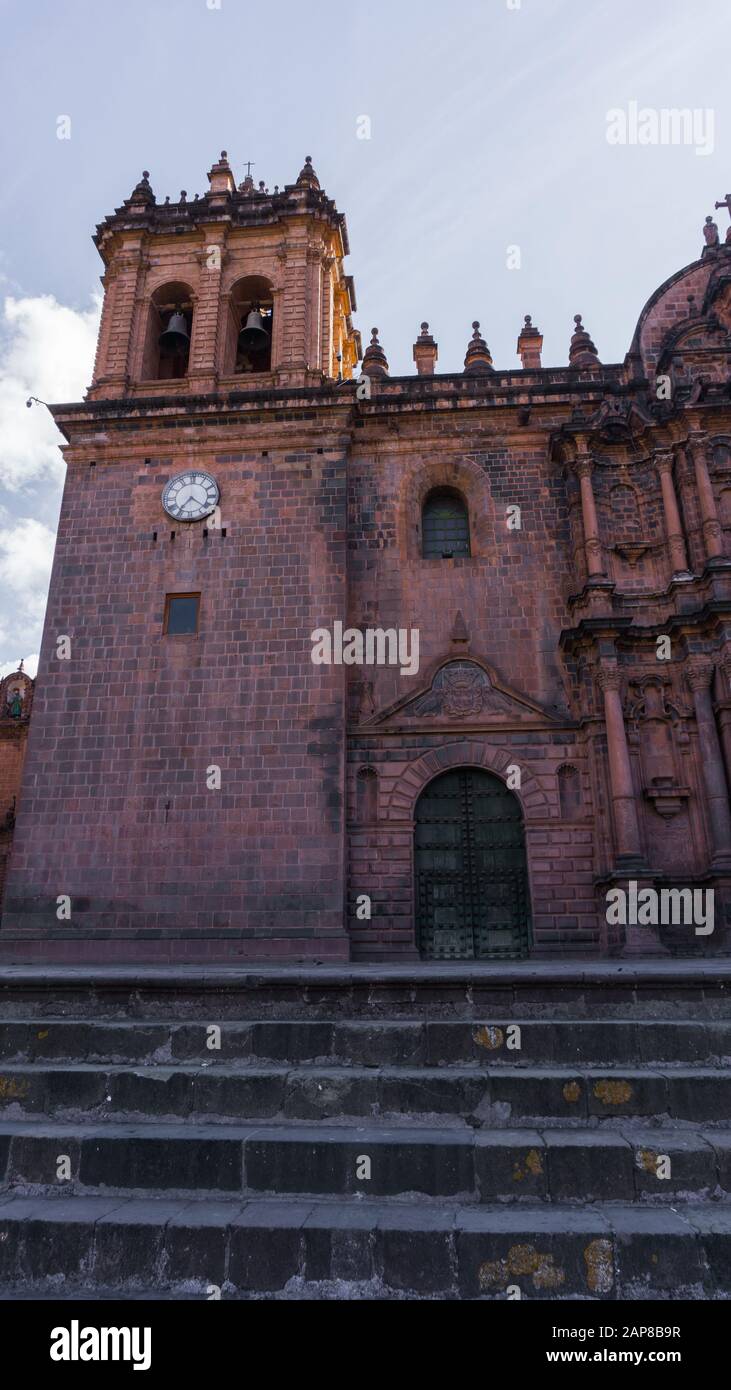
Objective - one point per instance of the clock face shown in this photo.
(190, 496)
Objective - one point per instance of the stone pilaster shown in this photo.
(328, 365)
(724, 712)
(122, 285)
(208, 310)
(314, 307)
(699, 674)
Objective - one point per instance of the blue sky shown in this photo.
(488, 130)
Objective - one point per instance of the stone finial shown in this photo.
(459, 636)
(477, 360)
(710, 232)
(220, 177)
(425, 352)
(142, 195)
(307, 178)
(582, 352)
(530, 343)
(375, 363)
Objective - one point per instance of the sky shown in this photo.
(488, 187)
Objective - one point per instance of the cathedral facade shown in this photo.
(339, 665)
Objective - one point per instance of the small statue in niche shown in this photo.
(710, 232)
(658, 756)
(367, 705)
(659, 721)
(15, 703)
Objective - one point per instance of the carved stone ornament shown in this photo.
(460, 690)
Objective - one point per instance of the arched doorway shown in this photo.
(471, 877)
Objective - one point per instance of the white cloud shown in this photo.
(47, 351)
(26, 554)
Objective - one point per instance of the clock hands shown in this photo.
(190, 497)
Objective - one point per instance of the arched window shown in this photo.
(445, 526)
(248, 347)
(169, 330)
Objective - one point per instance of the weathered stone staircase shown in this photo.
(554, 1131)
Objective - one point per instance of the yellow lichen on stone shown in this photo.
(532, 1163)
(521, 1261)
(647, 1160)
(613, 1092)
(488, 1036)
(43, 1033)
(10, 1089)
(571, 1091)
(599, 1269)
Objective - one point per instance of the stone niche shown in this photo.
(658, 735)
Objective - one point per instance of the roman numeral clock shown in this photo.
(190, 496)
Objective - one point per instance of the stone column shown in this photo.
(624, 803)
(699, 674)
(673, 524)
(592, 543)
(712, 531)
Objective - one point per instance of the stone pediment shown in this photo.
(463, 691)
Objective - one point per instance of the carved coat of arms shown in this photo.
(461, 690)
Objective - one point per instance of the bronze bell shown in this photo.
(253, 336)
(175, 338)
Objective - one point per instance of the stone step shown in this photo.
(551, 990)
(609, 1042)
(291, 1246)
(492, 1095)
(634, 1164)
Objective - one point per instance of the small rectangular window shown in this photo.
(181, 613)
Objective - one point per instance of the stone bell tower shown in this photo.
(213, 258)
(182, 737)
